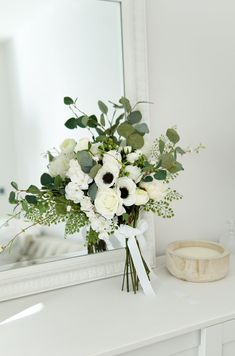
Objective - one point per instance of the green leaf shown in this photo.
(92, 191)
(102, 120)
(125, 129)
(14, 185)
(50, 156)
(12, 198)
(172, 135)
(176, 167)
(94, 170)
(85, 120)
(46, 180)
(80, 121)
(126, 104)
(125, 217)
(134, 117)
(167, 160)
(85, 160)
(61, 209)
(33, 189)
(58, 181)
(142, 128)
(99, 131)
(180, 150)
(24, 206)
(92, 121)
(135, 140)
(71, 123)
(68, 100)
(103, 108)
(161, 146)
(31, 199)
(160, 175)
(147, 179)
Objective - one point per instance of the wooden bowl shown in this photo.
(197, 261)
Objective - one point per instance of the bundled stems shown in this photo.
(130, 277)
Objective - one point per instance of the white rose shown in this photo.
(59, 166)
(82, 145)
(113, 158)
(134, 173)
(73, 192)
(76, 174)
(142, 197)
(68, 145)
(155, 189)
(107, 202)
(133, 156)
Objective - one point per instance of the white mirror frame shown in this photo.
(33, 279)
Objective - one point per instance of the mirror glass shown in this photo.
(50, 49)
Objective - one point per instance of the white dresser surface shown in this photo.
(98, 319)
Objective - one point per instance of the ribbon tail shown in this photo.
(139, 266)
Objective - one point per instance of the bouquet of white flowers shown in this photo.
(103, 182)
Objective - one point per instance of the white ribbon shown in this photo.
(127, 232)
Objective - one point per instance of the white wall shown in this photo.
(191, 47)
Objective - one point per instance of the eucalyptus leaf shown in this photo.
(33, 189)
(71, 123)
(103, 108)
(126, 104)
(68, 100)
(142, 128)
(134, 117)
(92, 121)
(176, 167)
(167, 160)
(94, 170)
(14, 185)
(102, 120)
(46, 180)
(85, 160)
(125, 129)
(85, 120)
(160, 175)
(172, 135)
(58, 181)
(147, 179)
(12, 198)
(92, 191)
(135, 140)
(31, 199)
(161, 146)
(180, 150)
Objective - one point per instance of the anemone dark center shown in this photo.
(124, 193)
(108, 178)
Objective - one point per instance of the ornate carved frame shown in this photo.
(33, 279)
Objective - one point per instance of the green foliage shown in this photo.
(33, 190)
(12, 198)
(172, 135)
(103, 108)
(46, 180)
(68, 100)
(160, 174)
(14, 185)
(85, 160)
(134, 117)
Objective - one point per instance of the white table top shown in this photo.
(98, 319)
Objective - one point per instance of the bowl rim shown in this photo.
(170, 249)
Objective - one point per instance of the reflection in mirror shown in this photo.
(50, 49)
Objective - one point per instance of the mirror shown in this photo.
(50, 49)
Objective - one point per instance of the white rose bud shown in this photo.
(127, 149)
(133, 156)
(68, 145)
(82, 144)
(142, 197)
(134, 173)
(107, 202)
(155, 189)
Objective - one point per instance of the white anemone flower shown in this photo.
(127, 189)
(106, 176)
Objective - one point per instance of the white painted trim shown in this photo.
(57, 274)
